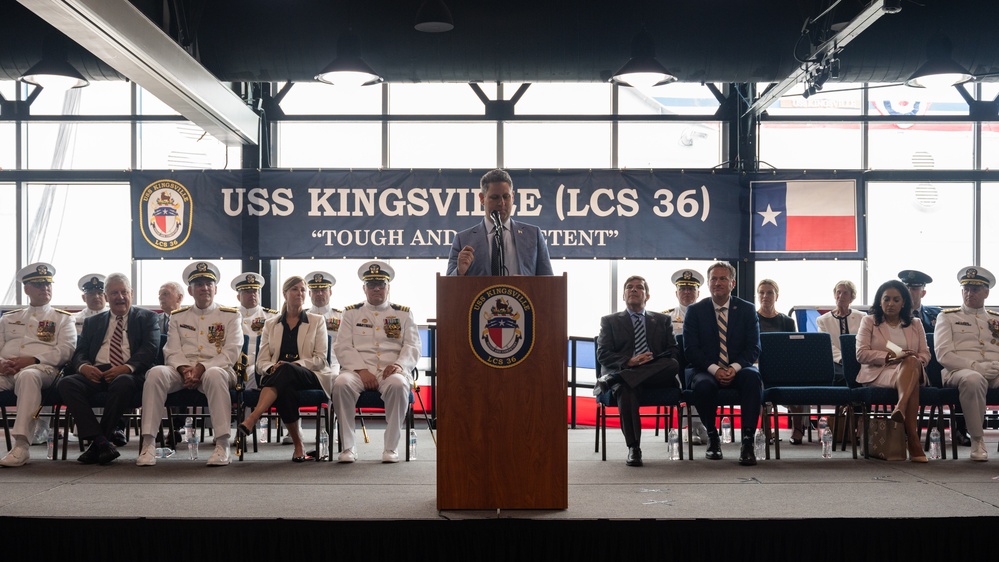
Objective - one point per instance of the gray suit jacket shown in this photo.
(532, 251)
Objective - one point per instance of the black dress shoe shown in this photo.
(118, 438)
(91, 455)
(107, 453)
(634, 457)
(961, 438)
(747, 456)
(714, 448)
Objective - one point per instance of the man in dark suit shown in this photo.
(637, 351)
(721, 341)
(115, 350)
(475, 251)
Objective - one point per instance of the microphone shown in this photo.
(495, 217)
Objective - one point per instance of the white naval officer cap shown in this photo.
(38, 272)
(687, 278)
(320, 280)
(974, 275)
(376, 271)
(247, 280)
(201, 270)
(92, 283)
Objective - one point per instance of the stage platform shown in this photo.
(268, 505)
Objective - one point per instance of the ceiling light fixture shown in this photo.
(643, 70)
(892, 6)
(434, 17)
(939, 70)
(348, 68)
(54, 70)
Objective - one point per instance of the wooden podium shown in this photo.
(501, 410)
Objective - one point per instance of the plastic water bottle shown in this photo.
(50, 450)
(674, 445)
(760, 443)
(823, 424)
(324, 444)
(163, 452)
(827, 442)
(191, 438)
(412, 444)
(262, 430)
(934, 444)
(726, 430)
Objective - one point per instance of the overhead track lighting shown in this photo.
(348, 68)
(939, 70)
(434, 17)
(643, 70)
(892, 6)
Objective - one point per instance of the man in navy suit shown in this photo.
(475, 252)
(116, 348)
(637, 351)
(721, 341)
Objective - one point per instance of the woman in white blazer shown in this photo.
(892, 352)
(292, 357)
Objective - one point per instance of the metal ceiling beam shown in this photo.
(118, 34)
(855, 27)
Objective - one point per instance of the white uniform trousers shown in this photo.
(971, 386)
(395, 393)
(162, 380)
(27, 385)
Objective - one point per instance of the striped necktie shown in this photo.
(641, 342)
(723, 336)
(117, 355)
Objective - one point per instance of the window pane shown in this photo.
(990, 239)
(810, 145)
(8, 250)
(329, 145)
(588, 282)
(182, 146)
(437, 99)
(903, 146)
(77, 146)
(79, 229)
(809, 283)
(442, 145)
(669, 145)
(899, 99)
(835, 99)
(153, 273)
(99, 98)
(659, 275)
(8, 88)
(563, 99)
(990, 146)
(557, 145)
(924, 226)
(672, 99)
(323, 99)
(8, 153)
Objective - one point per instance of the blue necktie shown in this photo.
(641, 342)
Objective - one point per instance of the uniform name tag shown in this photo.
(186, 327)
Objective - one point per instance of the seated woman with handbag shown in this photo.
(892, 352)
(292, 357)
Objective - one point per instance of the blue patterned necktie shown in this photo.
(641, 342)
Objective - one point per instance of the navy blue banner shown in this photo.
(416, 213)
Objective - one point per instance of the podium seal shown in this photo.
(501, 326)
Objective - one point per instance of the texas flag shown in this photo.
(804, 216)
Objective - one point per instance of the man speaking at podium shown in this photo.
(499, 245)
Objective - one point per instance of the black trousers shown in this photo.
(661, 373)
(78, 392)
(750, 387)
(287, 380)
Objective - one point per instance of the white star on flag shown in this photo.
(769, 215)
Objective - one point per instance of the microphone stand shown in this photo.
(498, 242)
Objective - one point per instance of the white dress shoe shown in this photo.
(287, 440)
(390, 456)
(978, 452)
(347, 455)
(147, 456)
(17, 456)
(220, 456)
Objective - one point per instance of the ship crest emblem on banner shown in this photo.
(501, 326)
(166, 209)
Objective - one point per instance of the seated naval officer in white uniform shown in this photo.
(378, 346)
(92, 288)
(34, 343)
(967, 345)
(320, 284)
(247, 286)
(203, 344)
